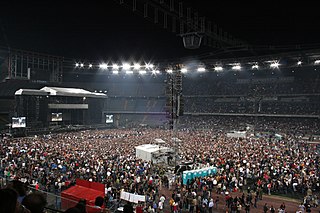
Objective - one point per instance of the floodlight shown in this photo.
(149, 66)
(126, 66)
(103, 66)
(299, 62)
(169, 71)
(255, 66)
(115, 71)
(81, 65)
(90, 65)
(218, 68)
(201, 69)
(154, 72)
(274, 65)
(136, 66)
(142, 72)
(184, 70)
(77, 64)
(236, 67)
(115, 66)
(129, 72)
(317, 62)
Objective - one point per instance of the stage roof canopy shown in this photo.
(61, 91)
(31, 92)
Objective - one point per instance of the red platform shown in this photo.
(82, 190)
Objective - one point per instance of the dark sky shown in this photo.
(103, 29)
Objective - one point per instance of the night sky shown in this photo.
(101, 30)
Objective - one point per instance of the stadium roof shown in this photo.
(149, 29)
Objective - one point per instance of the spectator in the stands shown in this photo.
(35, 202)
(9, 202)
(73, 210)
(81, 205)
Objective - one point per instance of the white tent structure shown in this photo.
(152, 152)
(236, 134)
(159, 141)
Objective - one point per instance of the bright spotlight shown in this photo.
(77, 64)
(299, 62)
(154, 72)
(201, 69)
(126, 66)
(274, 65)
(184, 70)
(115, 66)
(218, 68)
(136, 66)
(81, 65)
(149, 66)
(142, 72)
(90, 65)
(317, 62)
(103, 66)
(236, 67)
(169, 71)
(256, 66)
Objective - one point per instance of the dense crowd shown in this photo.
(211, 105)
(257, 164)
(265, 87)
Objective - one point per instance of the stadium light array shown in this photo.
(218, 66)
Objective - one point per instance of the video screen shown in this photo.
(18, 122)
(56, 116)
(109, 119)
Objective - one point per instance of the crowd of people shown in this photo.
(211, 105)
(244, 86)
(253, 165)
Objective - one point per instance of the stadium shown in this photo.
(220, 125)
